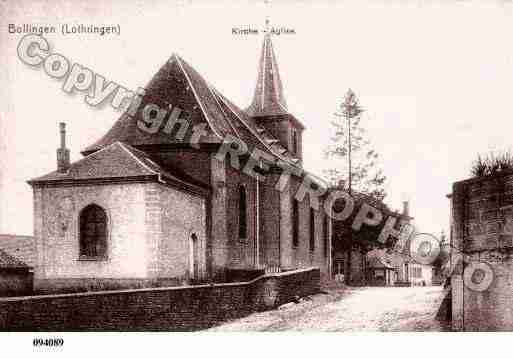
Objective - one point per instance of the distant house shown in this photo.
(407, 271)
(410, 272)
(380, 272)
(420, 274)
(352, 266)
(16, 277)
(21, 247)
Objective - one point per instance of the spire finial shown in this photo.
(267, 22)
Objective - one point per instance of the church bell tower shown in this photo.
(269, 108)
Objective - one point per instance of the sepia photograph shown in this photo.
(231, 167)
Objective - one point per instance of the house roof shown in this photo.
(396, 259)
(21, 247)
(379, 262)
(176, 84)
(116, 161)
(8, 261)
(254, 135)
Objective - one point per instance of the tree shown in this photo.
(356, 163)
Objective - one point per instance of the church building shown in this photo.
(152, 203)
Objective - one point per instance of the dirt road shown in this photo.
(352, 309)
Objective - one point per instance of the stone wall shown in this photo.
(482, 231)
(242, 251)
(286, 246)
(302, 256)
(182, 216)
(148, 233)
(57, 231)
(157, 309)
(16, 282)
(492, 309)
(270, 221)
(218, 248)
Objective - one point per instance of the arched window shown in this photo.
(243, 216)
(295, 144)
(325, 231)
(295, 222)
(194, 262)
(312, 230)
(93, 232)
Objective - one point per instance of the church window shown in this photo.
(194, 256)
(93, 232)
(326, 235)
(312, 230)
(243, 216)
(295, 222)
(295, 144)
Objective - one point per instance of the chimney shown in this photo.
(63, 152)
(406, 208)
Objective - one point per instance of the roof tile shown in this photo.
(9, 262)
(117, 160)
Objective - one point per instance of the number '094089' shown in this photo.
(48, 342)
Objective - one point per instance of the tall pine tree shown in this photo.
(355, 162)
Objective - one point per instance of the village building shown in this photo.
(352, 251)
(20, 247)
(16, 277)
(420, 274)
(391, 268)
(407, 269)
(380, 272)
(155, 204)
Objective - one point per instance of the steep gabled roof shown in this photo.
(253, 135)
(176, 84)
(179, 84)
(117, 161)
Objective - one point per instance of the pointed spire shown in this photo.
(268, 99)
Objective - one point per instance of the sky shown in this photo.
(435, 79)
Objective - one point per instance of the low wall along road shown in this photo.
(167, 309)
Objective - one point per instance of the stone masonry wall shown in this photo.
(57, 232)
(157, 309)
(149, 231)
(241, 250)
(301, 256)
(269, 222)
(482, 217)
(15, 282)
(182, 215)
